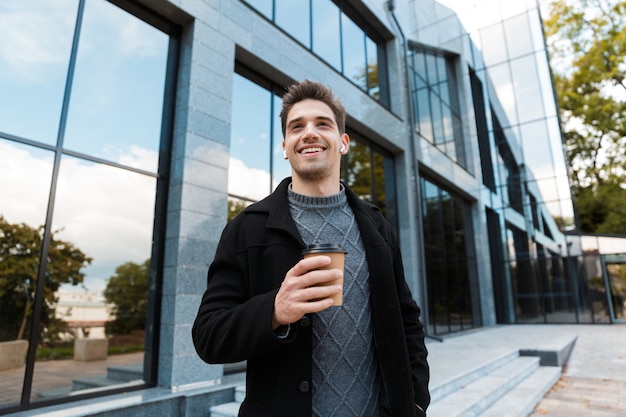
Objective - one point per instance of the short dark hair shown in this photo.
(306, 89)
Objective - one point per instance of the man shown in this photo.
(265, 304)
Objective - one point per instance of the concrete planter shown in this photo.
(13, 354)
(90, 349)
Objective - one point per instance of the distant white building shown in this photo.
(85, 312)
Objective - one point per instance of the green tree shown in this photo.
(587, 43)
(127, 292)
(235, 207)
(20, 249)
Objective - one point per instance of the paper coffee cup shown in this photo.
(337, 256)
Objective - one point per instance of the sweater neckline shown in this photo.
(317, 202)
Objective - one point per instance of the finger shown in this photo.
(317, 305)
(313, 294)
(308, 264)
(322, 277)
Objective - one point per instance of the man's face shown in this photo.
(312, 141)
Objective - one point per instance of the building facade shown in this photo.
(131, 131)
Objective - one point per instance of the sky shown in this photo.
(114, 114)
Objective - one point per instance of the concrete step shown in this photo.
(230, 409)
(509, 384)
(469, 374)
(97, 381)
(522, 400)
(116, 375)
(474, 398)
(126, 373)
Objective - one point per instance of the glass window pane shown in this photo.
(519, 40)
(353, 47)
(492, 39)
(425, 120)
(450, 259)
(431, 69)
(446, 118)
(527, 83)
(372, 68)
(360, 170)
(103, 222)
(503, 83)
(34, 53)
(420, 70)
(295, 18)
(437, 118)
(24, 187)
(442, 73)
(117, 95)
(280, 167)
(326, 32)
(249, 167)
(379, 181)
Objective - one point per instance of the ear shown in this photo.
(345, 144)
(284, 151)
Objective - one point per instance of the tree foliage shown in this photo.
(587, 43)
(127, 292)
(20, 251)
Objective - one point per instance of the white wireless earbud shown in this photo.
(343, 148)
(284, 154)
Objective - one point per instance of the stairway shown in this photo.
(129, 375)
(509, 385)
(116, 375)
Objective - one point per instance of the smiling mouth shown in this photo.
(311, 150)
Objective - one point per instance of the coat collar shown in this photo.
(278, 216)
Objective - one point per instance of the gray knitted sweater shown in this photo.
(345, 372)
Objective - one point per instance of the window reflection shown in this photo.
(117, 94)
(369, 172)
(37, 39)
(450, 260)
(324, 27)
(294, 17)
(359, 169)
(280, 168)
(91, 223)
(105, 214)
(354, 58)
(326, 32)
(249, 166)
(24, 187)
(373, 83)
(436, 103)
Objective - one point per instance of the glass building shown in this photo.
(131, 131)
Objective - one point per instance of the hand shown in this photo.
(301, 286)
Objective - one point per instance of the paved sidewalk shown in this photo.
(594, 380)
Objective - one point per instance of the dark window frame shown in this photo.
(372, 29)
(152, 334)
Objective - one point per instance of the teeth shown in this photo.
(311, 150)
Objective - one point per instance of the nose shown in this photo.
(310, 132)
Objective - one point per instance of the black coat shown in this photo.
(234, 321)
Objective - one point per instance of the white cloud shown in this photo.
(106, 212)
(248, 182)
(35, 36)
